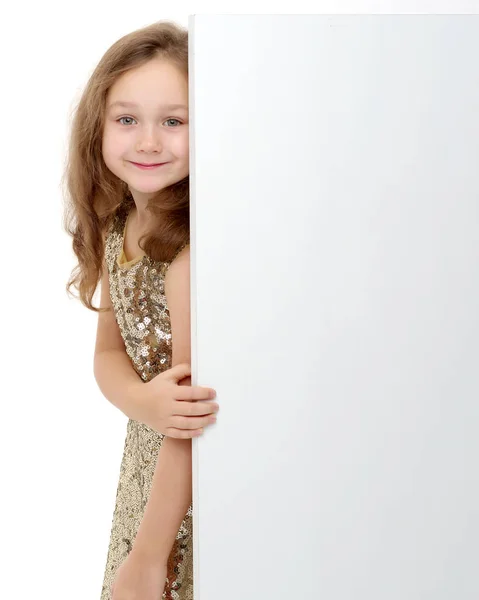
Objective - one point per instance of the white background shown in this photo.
(336, 306)
(61, 441)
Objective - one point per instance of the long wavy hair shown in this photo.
(93, 194)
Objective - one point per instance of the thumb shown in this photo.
(178, 372)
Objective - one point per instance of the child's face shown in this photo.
(149, 130)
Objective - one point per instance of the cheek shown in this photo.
(107, 155)
(113, 144)
(182, 146)
(110, 151)
(106, 144)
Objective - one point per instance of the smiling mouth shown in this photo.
(147, 165)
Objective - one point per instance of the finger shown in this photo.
(194, 409)
(181, 434)
(193, 393)
(187, 423)
(178, 372)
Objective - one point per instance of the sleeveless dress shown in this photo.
(138, 297)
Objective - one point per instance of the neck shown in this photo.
(141, 215)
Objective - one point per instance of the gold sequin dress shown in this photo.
(138, 297)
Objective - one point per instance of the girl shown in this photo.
(128, 190)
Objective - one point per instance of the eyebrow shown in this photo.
(120, 103)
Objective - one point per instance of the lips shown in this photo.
(147, 164)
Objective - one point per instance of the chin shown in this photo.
(143, 184)
(148, 189)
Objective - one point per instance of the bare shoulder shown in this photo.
(179, 269)
(177, 291)
(177, 283)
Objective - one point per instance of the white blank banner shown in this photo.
(335, 221)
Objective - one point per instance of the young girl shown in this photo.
(128, 190)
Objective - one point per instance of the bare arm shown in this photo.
(114, 374)
(156, 403)
(172, 482)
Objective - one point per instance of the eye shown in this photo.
(169, 121)
(123, 118)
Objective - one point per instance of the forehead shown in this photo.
(157, 81)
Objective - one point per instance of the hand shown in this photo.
(137, 578)
(171, 409)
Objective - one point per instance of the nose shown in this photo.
(149, 141)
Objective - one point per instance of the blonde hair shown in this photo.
(93, 194)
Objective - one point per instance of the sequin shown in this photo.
(139, 303)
